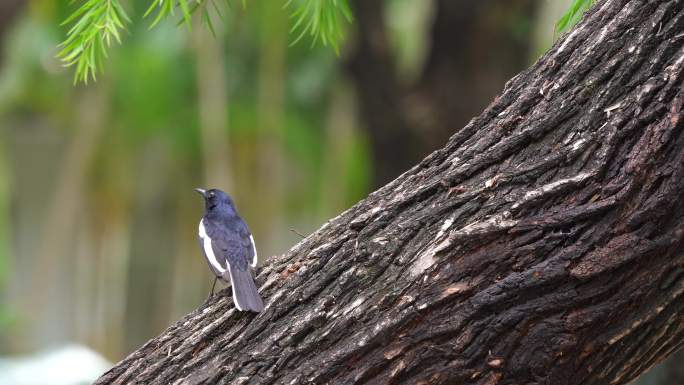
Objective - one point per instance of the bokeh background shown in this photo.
(98, 218)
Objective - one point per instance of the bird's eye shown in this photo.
(211, 195)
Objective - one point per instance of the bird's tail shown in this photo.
(245, 293)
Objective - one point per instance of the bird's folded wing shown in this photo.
(228, 247)
(248, 243)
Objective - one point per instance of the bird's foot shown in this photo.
(209, 297)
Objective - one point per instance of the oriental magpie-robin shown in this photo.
(229, 248)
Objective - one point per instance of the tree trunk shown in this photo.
(542, 245)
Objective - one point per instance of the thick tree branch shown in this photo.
(542, 245)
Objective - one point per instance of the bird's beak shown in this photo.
(201, 191)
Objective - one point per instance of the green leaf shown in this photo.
(323, 20)
(573, 14)
(207, 19)
(186, 13)
(95, 24)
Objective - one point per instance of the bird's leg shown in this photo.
(212, 287)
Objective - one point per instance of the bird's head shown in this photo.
(216, 200)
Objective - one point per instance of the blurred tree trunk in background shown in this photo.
(9, 10)
(212, 92)
(270, 174)
(149, 287)
(475, 46)
(54, 315)
(543, 244)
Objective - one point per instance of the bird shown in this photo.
(228, 246)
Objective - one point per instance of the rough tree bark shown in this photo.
(542, 245)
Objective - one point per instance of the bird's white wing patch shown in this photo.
(254, 260)
(208, 250)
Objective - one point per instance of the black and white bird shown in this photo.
(229, 248)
